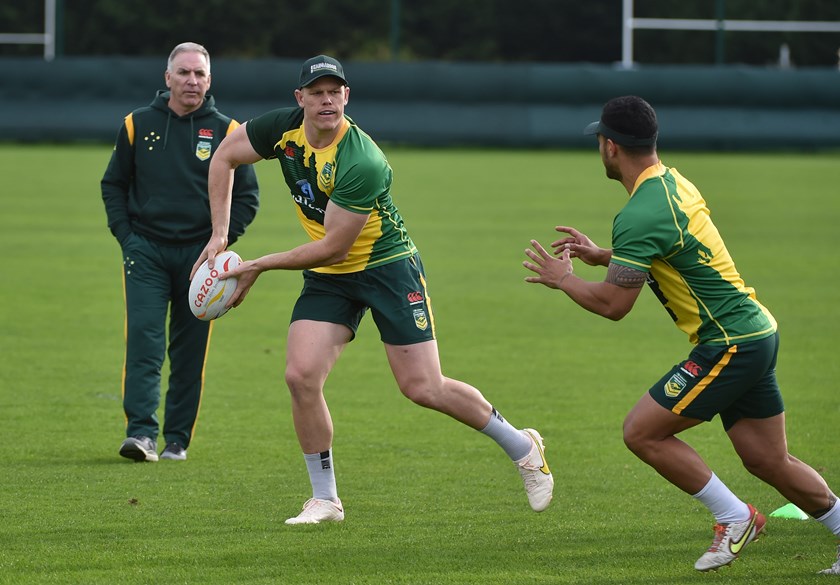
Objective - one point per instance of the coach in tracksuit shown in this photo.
(155, 194)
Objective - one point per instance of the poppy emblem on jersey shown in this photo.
(205, 133)
(202, 150)
(674, 386)
(420, 319)
(289, 151)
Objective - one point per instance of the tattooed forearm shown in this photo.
(625, 277)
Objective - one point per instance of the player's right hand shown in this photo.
(214, 246)
(580, 246)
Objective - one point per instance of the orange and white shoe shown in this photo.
(539, 483)
(316, 511)
(730, 539)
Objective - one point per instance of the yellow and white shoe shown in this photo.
(539, 483)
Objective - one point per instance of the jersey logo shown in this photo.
(306, 189)
(704, 254)
(307, 197)
(151, 139)
(692, 369)
(325, 178)
(202, 150)
(205, 133)
(674, 386)
(420, 319)
(415, 297)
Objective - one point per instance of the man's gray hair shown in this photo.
(187, 48)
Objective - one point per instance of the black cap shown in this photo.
(628, 121)
(318, 67)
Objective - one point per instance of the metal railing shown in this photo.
(631, 23)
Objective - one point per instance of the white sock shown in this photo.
(831, 519)
(321, 475)
(722, 503)
(515, 443)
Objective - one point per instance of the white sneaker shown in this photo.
(539, 483)
(316, 511)
(835, 568)
(729, 541)
(139, 448)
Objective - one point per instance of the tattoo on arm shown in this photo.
(625, 277)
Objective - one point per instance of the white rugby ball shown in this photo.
(209, 293)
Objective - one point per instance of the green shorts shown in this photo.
(395, 294)
(736, 381)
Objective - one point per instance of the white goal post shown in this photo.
(631, 23)
(47, 38)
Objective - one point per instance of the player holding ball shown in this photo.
(359, 258)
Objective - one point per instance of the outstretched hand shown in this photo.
(551, 271)
(578, 245)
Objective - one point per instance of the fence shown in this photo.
(433, 103)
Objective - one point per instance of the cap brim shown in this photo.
(617, 137)
(593, 128)
(315, 77)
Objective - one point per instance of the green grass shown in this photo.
(428, 500)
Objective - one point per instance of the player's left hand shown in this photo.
(551, 271)
(246, 274)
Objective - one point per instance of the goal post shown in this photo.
(47, 38)
(630, 23)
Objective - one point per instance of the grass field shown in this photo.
(428, 501)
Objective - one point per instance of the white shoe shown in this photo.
(539, 483)
(729, 540)
(316, 511)
(835, 568)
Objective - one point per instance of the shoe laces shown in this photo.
(720, 534)
(314, 503)
(529, 477)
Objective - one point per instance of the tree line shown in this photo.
(555, 31)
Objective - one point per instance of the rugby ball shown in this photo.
(209, 293)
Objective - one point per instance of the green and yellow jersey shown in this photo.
(665, 230)
(352, 172)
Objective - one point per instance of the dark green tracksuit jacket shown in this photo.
(155, 195)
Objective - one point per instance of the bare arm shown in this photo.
(342, 229)
(233, 151)
(613, 298)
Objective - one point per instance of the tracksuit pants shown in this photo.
(156, 282)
